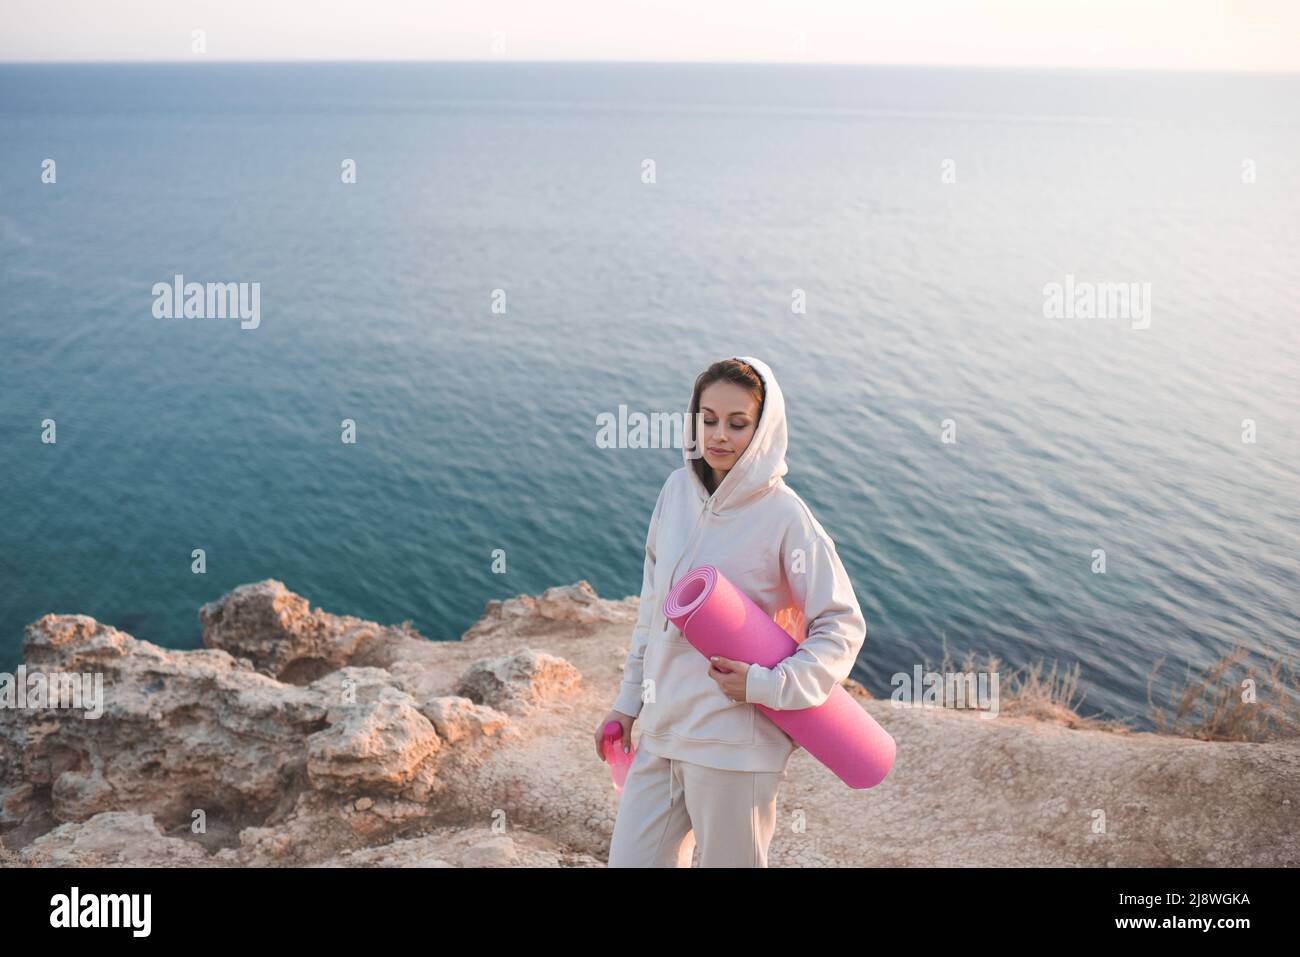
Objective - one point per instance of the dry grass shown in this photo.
(1218, 706)
(1031, 694)
(1215, 706)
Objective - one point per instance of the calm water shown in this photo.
(476, 430)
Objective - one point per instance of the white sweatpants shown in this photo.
(667, 806)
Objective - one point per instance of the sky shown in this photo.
(1120, 34)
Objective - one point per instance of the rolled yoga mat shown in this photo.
(717, 618)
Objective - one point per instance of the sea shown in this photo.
(1037, 333)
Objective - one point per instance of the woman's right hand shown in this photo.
(625, 720)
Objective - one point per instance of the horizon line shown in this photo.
(201, 59)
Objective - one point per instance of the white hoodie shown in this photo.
(759, 533)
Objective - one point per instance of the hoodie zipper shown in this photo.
(699, 524)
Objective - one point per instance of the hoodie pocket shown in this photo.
(687, 702)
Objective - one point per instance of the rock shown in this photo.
(300, 738)
(521, 682)
(282, 636)
(493, 852)
(379, 743)
(456, 718)
(577, 603)
(114, 839)
(180, 730)
(278, 771)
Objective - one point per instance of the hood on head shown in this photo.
(763, 462)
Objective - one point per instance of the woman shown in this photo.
(708, 765)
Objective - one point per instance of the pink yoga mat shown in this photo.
(717, 618)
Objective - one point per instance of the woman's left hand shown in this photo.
(730, 676)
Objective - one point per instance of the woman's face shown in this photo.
(728, 417)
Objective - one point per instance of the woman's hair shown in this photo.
(728, 370)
